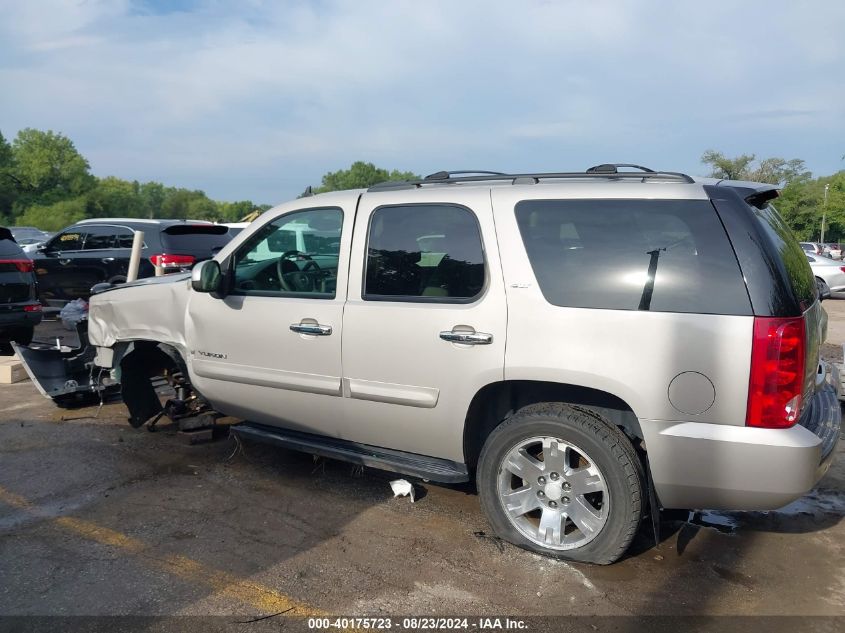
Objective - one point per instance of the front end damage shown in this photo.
(68, 375)
(129, 349)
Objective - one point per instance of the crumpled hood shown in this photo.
(146, 281)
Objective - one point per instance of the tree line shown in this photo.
(46, 182)
(802, 200)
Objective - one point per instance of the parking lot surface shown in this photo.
(97, 518)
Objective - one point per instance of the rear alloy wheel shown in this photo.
(562, 481)
(553, 493)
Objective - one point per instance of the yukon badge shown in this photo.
(212, 355)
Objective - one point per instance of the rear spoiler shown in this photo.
(757, 194)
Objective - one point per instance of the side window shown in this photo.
(295, 255)
(70, 240)
(424, 252)
(99, 238)
(658, 255)
(123, 238)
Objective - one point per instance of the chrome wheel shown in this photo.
(553, 493)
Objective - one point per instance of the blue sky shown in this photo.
(257, 99)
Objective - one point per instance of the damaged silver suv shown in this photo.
(588, 346)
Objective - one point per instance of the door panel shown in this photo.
(270, 351)
(407, 388)
(59, 279)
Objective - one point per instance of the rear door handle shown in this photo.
(467, 338)
(107, 260)
(311, 328)
(64, 262)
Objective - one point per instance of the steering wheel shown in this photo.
(306, 281)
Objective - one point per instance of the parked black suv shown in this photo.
(20, 310)
(96, 251)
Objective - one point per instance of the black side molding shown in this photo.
(431, 468)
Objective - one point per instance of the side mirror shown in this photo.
(206, 276)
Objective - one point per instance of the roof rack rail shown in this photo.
(445, 175)
(607, 171)
(613, 168)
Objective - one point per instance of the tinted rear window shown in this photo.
(195, 238)
(9, 248)
(791, 253)
(658, 255)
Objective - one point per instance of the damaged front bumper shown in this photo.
(67, 375)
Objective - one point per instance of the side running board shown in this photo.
(431, 468)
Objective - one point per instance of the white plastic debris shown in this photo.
(402, 488)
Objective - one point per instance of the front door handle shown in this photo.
(107, 260)
(311, 328)
(467, 338)
(64, 262)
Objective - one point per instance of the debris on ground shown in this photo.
(402, 488)
(73, 313)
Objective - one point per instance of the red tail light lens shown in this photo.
(775, 391)
(842, 268)
(172, 262)
(35, 307)
(21, 265)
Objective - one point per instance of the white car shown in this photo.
(829, 271)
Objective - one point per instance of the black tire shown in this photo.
(608, 448)
(22, 335)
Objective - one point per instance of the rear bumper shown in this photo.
(726, 467)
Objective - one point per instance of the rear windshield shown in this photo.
(657, 255)
(10, 249)
(791, 253)
(195, 238)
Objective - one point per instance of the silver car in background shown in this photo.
(830, 271)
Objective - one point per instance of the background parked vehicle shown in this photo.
(96, 251)
(829, 271)
(833, 250)
(20, 310)
(29, 237)
(812, 248)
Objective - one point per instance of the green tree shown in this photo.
(776, 171)
(152, 196)
(358, 176)
(114, 197)
(234, 211)
(56, 216)
(801, 203)
(201, 207)
(47, 168)
(7, 184)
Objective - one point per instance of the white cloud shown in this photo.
(258, 99)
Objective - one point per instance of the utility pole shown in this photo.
(824, 211)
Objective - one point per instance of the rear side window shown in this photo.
(791, 253)
(424, 252)
(657, 255)
(99, 238)
(195, 238)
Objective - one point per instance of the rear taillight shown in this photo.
(35, 307)
(842, 268)
(777, 372)
(21, 265)
(172, 262)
